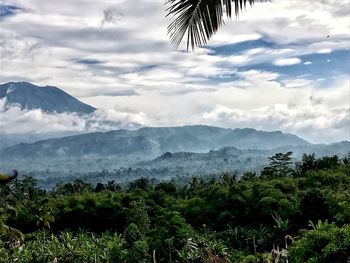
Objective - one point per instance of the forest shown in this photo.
(292, 212)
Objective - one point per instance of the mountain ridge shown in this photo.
(232, 159)
(154, 141)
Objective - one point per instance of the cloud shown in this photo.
(116, 93)
(15, 120)
(287, 61)
(116, 55)
(319, 118)
(324, 51)
(111, 15)
(257, 99)
(296, 83)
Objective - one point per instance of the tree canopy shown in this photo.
(299, 212)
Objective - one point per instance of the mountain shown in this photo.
(339, 148)
(48, 98)
(231, 158)
(151, 142)
(168, 166)
(7, 140)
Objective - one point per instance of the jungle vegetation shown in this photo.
(298, 212)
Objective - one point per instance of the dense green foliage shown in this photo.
(301, 210)
(326, 244)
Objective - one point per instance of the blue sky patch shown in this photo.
(9, 10)
(315, 66)
(323, 66)
(234, 49)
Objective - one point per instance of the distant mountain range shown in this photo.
(151, 142)
(230, 159)
(48, 99)
(123, 169)
(160, 152)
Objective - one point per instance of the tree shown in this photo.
(81, 187)
(309, 162)
(112, 186)
(99, 187)
(166, 187)
(201, 19)
(137, 214)
(279, 166)
(132, 234)
(327, 244)
(313, 205)
(142, 183)
(248, 176)
(170, 233)
(228, 178)
(27, 188)
(329, 162)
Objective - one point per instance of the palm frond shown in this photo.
(200, 18)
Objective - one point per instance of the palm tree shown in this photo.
(201, 19)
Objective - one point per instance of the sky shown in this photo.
(282, 65)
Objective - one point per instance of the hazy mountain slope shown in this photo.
(7, 140)
(48, 99)
(225, 159)
(166, 166)
(232, 158)
(152, 142)
(339, 148)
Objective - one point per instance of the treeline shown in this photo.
(299, 212)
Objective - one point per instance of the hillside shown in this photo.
(152, 142)
(233, 159)
(48, 98)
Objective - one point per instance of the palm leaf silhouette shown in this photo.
(200, 18)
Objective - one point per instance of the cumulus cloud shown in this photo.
(116, 55)
(287, 61)
(324, 51)
(258, 99)
(15, 120)
(322, 116)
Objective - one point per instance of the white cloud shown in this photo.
(317, 115)
(324, 51)
(14, 120)
(258, 100)
(297, 83)
(140, 78)
(287, 61)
